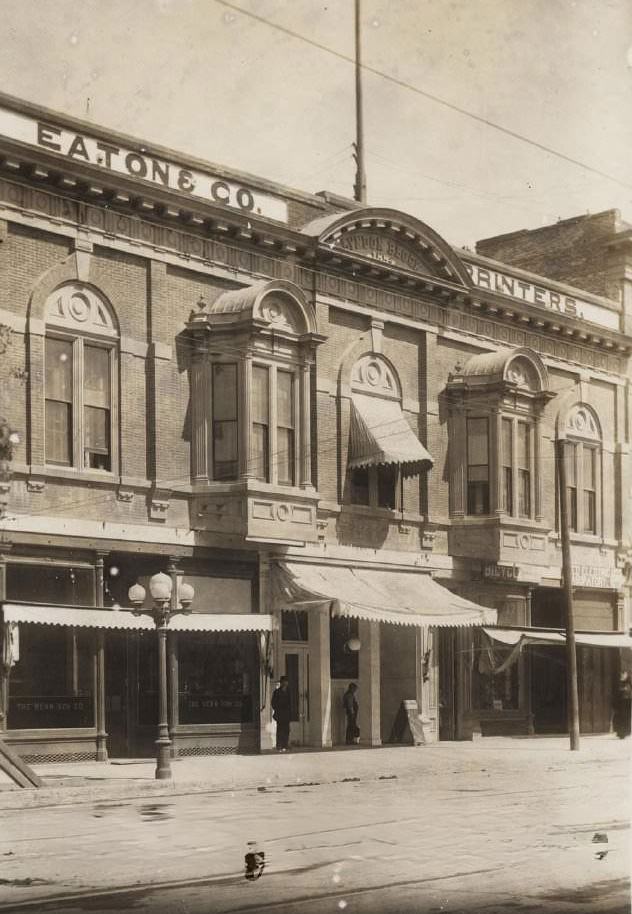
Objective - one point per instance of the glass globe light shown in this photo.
(354, 644)
(160, 587)
(186, 592)
(136, 595)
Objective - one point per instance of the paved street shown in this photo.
(506, 826)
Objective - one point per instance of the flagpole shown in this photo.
(359, 188)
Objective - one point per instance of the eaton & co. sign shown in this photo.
(139, 163)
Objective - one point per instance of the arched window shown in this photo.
(80, 379)
(382, 446)
(580, 427)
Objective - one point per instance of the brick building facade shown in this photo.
(338, 428)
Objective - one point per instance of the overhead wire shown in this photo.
(404, 84)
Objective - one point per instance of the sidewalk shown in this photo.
(82, 782)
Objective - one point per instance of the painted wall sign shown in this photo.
(592, 576)
(383, 249)
(501, 572)
(541, 296)
(139, 163)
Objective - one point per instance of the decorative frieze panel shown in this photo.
(272, 516)
(187, 244)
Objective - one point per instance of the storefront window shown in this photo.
(496, 691)
(344, 663)
(56, 585)
(217, 675)
(51, 683)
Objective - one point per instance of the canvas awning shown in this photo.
(79, 617)
(380, 434)
(513, 636)
(517, 639)
(398, 597)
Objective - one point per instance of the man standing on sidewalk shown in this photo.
(282, 714)
(350, 703)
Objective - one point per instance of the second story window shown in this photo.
(224, 421)
(478, 466)
(583, 450)
(79, 359)
(383, 447)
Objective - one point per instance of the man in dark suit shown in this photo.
(282, 713)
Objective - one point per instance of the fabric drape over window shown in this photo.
(380, 434)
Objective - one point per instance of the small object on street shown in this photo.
(600, 838)
(254, 861)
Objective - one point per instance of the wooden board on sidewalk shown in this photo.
(13, 766)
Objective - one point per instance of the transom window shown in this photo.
(79, 363)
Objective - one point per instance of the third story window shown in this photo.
(225, 421)
(478, 466)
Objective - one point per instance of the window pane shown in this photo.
(260, 452)
(359, 486)
(478, 474)
(225, 450)
(507, 442)
(572, 508)
(344, 664)
(217, 675)
(294, 625)
(524, 493)
(96, 376)
(477, 443)
(590, 465)
(260, 394)
(285, 456)
(590, 512)
(97, 438)
(58, 433)
(478, 497)
(58, 370)
(508, 489)
(285, 399)
(224, 392)
(51, 684)
(570, 454)
(387, 477)
(524, 445)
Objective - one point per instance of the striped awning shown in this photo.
(380, 434)
(80, 617)
(397, 597)
(513, 636)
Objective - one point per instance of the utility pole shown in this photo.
(359, 188)
(567, 578)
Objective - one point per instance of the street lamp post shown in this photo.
(167, 601)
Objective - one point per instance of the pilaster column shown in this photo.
(99, 703)
(369, 691)
(537, 468)
(305, 428)
(495, 464)
(458, 461)
(200, 409)
(319, 678)
(243, 416)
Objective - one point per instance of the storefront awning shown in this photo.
(398, 597)
(380, 434)
(123, 619)
(513, 636)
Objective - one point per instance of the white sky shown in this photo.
(196, 76)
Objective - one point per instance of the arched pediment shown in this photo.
(279, 304)
(579, 421)
(522, 368)
(77, 306)
(390, 238)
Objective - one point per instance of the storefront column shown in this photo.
(172, 661)
(319, 678)
(99, 710)
(267, 659)
(369, 685)
(4, 670)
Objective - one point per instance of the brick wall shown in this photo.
(572, 251)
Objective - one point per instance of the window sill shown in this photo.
(100, 477)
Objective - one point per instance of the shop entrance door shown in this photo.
(117, 705)
(548, 688)
(295, 662)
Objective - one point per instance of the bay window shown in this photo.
(224, 405)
